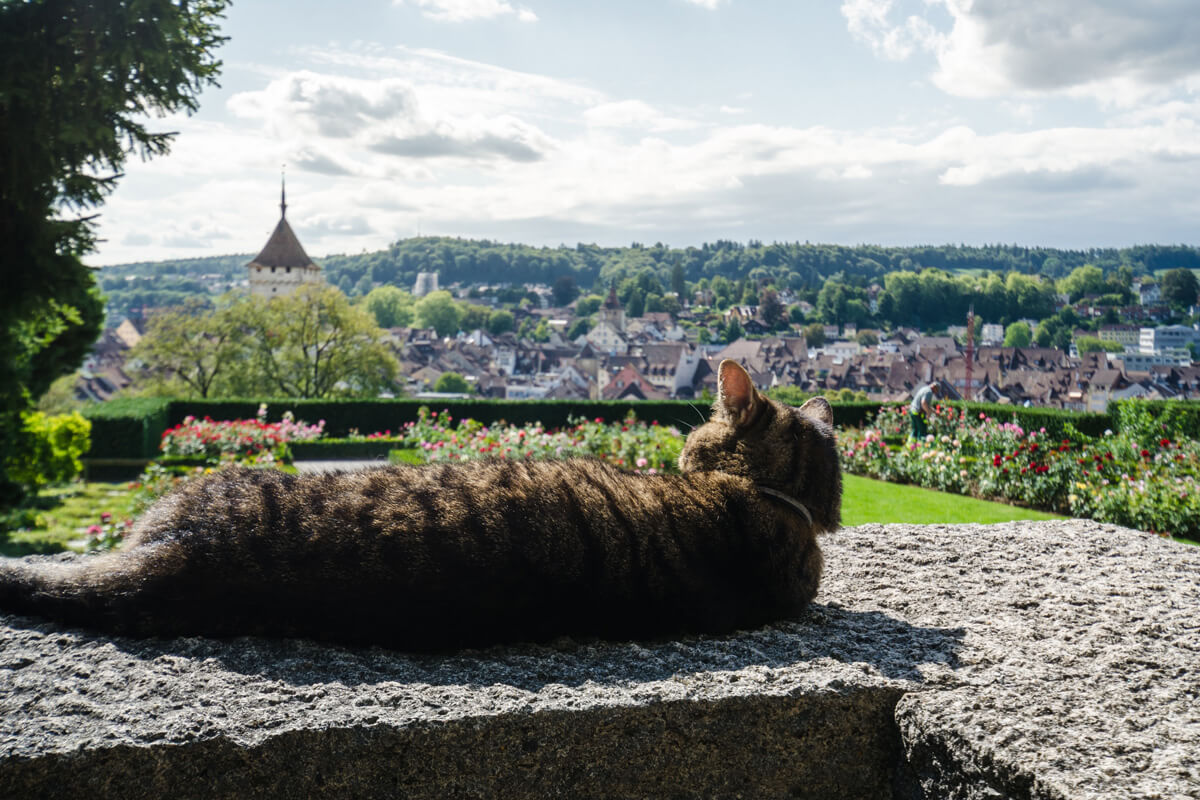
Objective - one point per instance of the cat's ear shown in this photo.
(818, 408)
(736, 393)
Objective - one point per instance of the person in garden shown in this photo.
(921, 408)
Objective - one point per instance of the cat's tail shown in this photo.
(101, 591)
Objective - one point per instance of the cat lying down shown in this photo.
(472, 554)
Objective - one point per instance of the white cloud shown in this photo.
(634, 114)
(711, 5)
(1120, 54)
(467, 10)
(375, 140)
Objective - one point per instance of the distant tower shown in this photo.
(612, 312)
(282, 265)
(426, 282)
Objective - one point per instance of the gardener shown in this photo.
(921, 408)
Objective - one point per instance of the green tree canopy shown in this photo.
(452, 382)
(1018, 335)
(1179, 287)
(313, 343)
(191, 349)
(438, 310)
(391, 305)
(78, 79)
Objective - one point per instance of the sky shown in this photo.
(1063, 123)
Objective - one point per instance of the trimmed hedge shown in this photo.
(371, 416)
(128, 428)
(133, 428)
(1186, 412)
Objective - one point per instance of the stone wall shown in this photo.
(1041, 660)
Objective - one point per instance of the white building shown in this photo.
(282, 266)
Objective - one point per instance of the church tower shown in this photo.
(612, 312)
(282, 265)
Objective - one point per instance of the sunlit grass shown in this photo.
(59, 519)
(866, 500)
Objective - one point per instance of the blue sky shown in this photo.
(1069, 123)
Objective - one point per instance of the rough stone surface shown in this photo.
(1042, 660)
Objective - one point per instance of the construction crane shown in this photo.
(970, 351)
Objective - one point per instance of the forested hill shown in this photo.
(795, 265)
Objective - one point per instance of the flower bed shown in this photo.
(631, 444)
(210, 439)
(1144, 477)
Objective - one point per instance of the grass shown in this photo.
(867, 500)
(59, 518)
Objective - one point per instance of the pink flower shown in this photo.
(641, 462)
(106, 516)
(94, 530)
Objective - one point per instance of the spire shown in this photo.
(282, 194)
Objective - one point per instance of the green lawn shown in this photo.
(866, 500)
(60, 517)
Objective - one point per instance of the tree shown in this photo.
(391, 305)
(1179, 287)
(1018, 335)
(452, 382)
(438, 310)
(193, 346)
(814, 334)
(77, 80)
(770, 309)
(313, 343)
(1085, 280)
(564, 290)
(500, 322)
(586, 306)
(867, 338)
(733, 331)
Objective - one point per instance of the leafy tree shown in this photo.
(452, 382)
(1085, 280)
(1018, 335)
(814, 334)
(579, 328)
(193, 346)
(474, 317)
(770, 308)
(564, 290)
(391, 305)
(1179, 287)
(313, 343)
(77, 81)
(438, 310)
(867, 338)
(586, 306)
(500, 322)
(733, 331)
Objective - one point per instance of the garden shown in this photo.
(1143, 477)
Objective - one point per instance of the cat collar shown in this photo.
(791, 501)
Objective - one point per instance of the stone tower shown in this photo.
(282, 265)
(612, 312)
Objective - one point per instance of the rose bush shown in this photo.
(1142, 477)
(630, 444)
(208, 438)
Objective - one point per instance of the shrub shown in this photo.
(48, 449)
(211, 439)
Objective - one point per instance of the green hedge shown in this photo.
(133, 428)
(371, 416)
(128, 428)
(1186, 413)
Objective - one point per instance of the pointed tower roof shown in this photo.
(611, 301)
(283, 248)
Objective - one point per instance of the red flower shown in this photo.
(1164, 442)
(1145, 454)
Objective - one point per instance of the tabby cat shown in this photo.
(447, 556)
